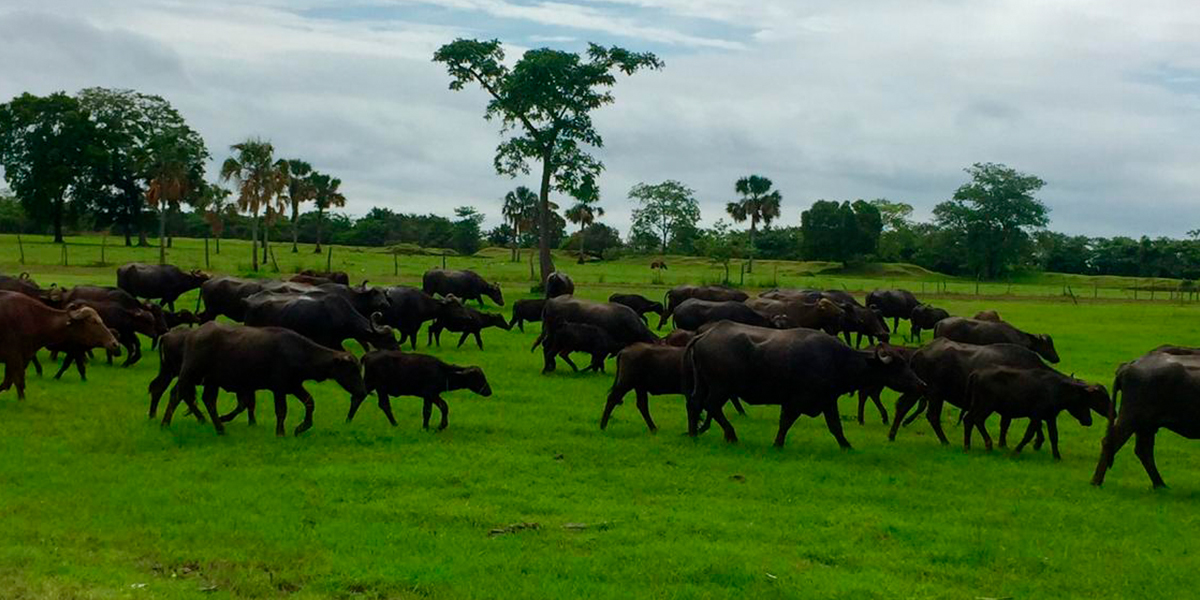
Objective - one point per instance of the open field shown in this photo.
(96, 500)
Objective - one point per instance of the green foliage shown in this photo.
(12, 216)
(994, 213)
(666, 211)
(467, 233)
(758, 202)
(544, 103)
(601, 239)
(896, 216)
(841, 232)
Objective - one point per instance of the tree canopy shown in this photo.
(758, 202)
(667, 211)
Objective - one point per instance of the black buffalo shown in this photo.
(162, 282)
(693, 312)
(1160, 389)
(618, 320)
(463, 319)
(170, 361)
(649, 369)
(319, 277)
(803, 371)
(925, 317)
(873, 390)
(714, 293)
(1036, 394)
(857, 320)
(824, 314)
(395, 373)
(580, 337)
(526, 310)
(893, 304)
(973, 331)
(366, 300)
(945, 366)
(326, 319)
(466, 285)
(558, 284)
(243, 360)
(224, 296)
(640, 304)
(409, 308)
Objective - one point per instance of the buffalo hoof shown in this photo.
(301, 428)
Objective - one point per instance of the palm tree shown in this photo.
(170, 181)
(252, 167)
(326, 196)
(517, 211)
(217, 208)
(758, 203)
(584, 213)
(276, 202)
(300, 190)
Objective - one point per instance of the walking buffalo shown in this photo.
(27, 325)
(465, 320)
(243, 360)
(823, 314)
(924, 317)
(713, 293)
(557, 284)
(693, 312)
(972, 331)
(580, 337)
(618, 320)
(466, 285)
(170, 361)
(1161, 390)
(801, 370)
(224, 296)
(945, 366)
(1036, 394)
(409, 308)
(526, 310)
(893, 304)
(24, 284)
(857, 319)
(127, 321)
(873, 391)
(640, 304)
(326, 319)
(649, 369)
(162, 282)
(395, 373)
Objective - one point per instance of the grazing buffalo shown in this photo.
(803, 371)
(823, 314)
(1036, 394)
(467, 285)
(394, 373)
(318, 277)
(526, 310)
(326, 319)
(693, 312)
(580, 337)
(27, 325)
(679, 337)
(988, 315)
(971, 331)
(170, 361)
(924, 317)
(224, 296)
(618, 320)
(1161, 389)
(243, 360)
(640, 304)
(409, 308)
(558, 284)
(893, 304)
(465, 320)
(162, 282)
(873, 391)
(945, 366)
(713, 293)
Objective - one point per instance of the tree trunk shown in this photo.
(142, 241)
(266, 234)
(750, 250)
(320, 219)
(254, 243)
(128, 233)
(581, 243)
(162, 233)
(58, 210)
(218, 243)
(547, 263)
(295, 226)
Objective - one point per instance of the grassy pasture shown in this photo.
(96, 501)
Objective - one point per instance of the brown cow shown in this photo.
(27, 325)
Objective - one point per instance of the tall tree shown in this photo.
(326, 195)
(299, 190)
(46, 145)
(544, 102)
(139, 134)
(466, 230)
(520, 210)
(995, 213)
(758, 203)
(583, 214)
(665, 210)
(213, 200)
(277, 204)
(171, 177)
(252, 168)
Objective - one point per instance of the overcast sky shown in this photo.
(831, 99)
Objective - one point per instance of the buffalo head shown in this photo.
(472, 378)
(894, 371)
(493, 292)
(1044, 345)
(345, 370)
(85, 328)
(383, 336)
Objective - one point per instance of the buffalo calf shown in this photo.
(394, 373)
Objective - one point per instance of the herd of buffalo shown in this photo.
(798, 349)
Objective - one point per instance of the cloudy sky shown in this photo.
(833, 99)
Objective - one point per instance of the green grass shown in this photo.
(96, 499)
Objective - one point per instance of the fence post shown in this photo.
(103, 243)
(395, 263)
(329, 260)
(206, 252)
(21, 246)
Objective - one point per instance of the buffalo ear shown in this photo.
(883, 357)
(77, 312)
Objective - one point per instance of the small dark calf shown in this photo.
(395, 373)
(924, 317)
(464, 320)
(579, 337)
(526, 310)
(640, 304)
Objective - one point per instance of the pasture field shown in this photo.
(97, 501)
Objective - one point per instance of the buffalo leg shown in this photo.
(462, 338)
(1143, 447)
(1024, 439)
(66, 364)
(1005, 422)
(307, 400)
(878, 400)
(385, 405)
(903, 404)
(1052, 433)
(737, 406)
(1113, 441)
(37, 366)
(158, 386)
(547, 359)
(566, 356)
(173, 401)
(478, 341)
(934, 414)
(717, 412)
(280, 413)
(520, 325)
(862, 406)
(242, 405)
(426, 412)
(247, 399)
(210, 404)
(354, 404)
(787, 416)
(615, 397)
(643, 405)
(833, 420)
(444, 409)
